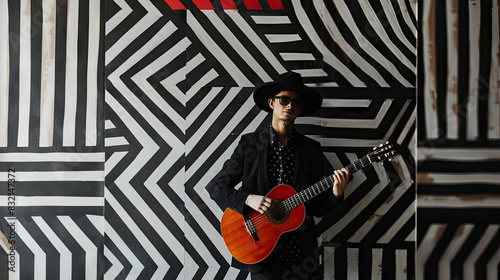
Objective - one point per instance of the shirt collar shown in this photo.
(274, 139)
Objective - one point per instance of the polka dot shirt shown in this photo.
(281, 163)
(281, 169)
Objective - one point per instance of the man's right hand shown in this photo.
(259, 203)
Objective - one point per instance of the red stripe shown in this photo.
(175, 4)
(228, 5)
(275, 4)
(252, 4)
(203, 4)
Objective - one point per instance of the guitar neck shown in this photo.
(321, 186)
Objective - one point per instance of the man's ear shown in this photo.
(270, 101)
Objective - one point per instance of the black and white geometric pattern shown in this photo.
(115, 114)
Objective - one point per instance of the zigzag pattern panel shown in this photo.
(458, 159)
(145, 212)
(51, 152)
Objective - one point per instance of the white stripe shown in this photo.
(329, 261)
(452, 108)
(452, 154)
(402, 219)
(353, 261)
(65, 255)
(113, 160)
(10, 249)
(491, 267)
(464, 201)
(40, 201)
(409, 130)
(401, 264)
(346, 47)
(339, 103)
(4, 72)
(47, 157)
(193, 141)
(380, 29)
(469, 264)
(203, 104)
(123, 182)
(119, 17)
(47, 73)
(429, 65)
(405, 12)
(237, 45)
(396, 26)
(377, 259)
(115, 268)
(25, 90)
(360, 206)
(494, 83)
(271, 19)
(87, 245)
(140, 79)
(115, 141)
(71, 81)
(314, 72)
(249, 31)
(459, 178)
(195, 88)
(459, 238)
(170, 83)
(297, 56)
(136, 265)
(39, 256)
(366, 45)
(328, 56)
(349, 123)
(34, 176)
(474, 78)
(206, 39)
(283, 38)
(98, 222)
(426, 247)
(395, 122)
(140, 27)
(92, 72)
(108, 124)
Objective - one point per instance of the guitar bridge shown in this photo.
(251, 228)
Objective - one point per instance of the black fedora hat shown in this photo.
(288, 81)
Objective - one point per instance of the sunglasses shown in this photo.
(285, 100)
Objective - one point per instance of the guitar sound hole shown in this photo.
(277, 215)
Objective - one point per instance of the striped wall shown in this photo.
(114, 115)
(458, 163)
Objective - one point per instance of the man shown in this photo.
(274, 155)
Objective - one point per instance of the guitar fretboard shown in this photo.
(321, 186)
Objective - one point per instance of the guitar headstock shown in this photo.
(384, 152)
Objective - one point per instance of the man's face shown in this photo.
(286, 105)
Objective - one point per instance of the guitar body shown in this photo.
(267, 228)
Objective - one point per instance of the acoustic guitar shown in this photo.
(251, 236)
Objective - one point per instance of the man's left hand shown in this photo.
(341, 179)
